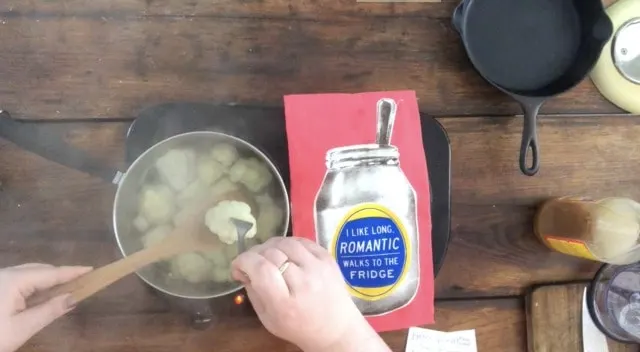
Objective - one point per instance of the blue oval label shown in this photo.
(370, 246)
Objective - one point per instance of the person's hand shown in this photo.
(308, 303)
(17, 323)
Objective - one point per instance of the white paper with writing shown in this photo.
(425, 340)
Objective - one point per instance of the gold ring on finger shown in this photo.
(284, 267)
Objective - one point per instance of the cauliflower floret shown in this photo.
(141, 224)
(218, 220)
(209, 170)
(156, 235)
(217, 257)
(192, 267)
(221, 274)
(225, 154)
(177, 168)
(263, 177)
(250, 172)
(223, 186)
(251, 242)
(270, 218)
(264, 198)
(231, 251)
(194, 192)
(183, 215)
(156, 204)
(238, 170)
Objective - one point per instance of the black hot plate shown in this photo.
(265, 128)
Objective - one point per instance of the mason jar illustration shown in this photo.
(365, 216)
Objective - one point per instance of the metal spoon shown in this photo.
(242, 227)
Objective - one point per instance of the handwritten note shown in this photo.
(425, 340)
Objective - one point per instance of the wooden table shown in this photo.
(75, 59)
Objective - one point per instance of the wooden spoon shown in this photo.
(189, 236)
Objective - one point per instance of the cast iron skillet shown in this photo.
(532, 50)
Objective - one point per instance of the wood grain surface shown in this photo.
(554, 320)
(500, 326)
(83, 58)
(55, 214)
(329, 9)
(73, 59)
(493, 205)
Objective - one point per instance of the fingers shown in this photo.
(256, 302)
(315, 249)
(31, 266)
(295, 278)
(274, 255)
(299, 253)
(239, 276)
(296, 252)
(32, 320)
(263, 276)
(34, 278)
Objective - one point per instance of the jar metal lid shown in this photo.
(362, 153)
(625, 50)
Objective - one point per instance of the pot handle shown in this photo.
(530, 139)
(28, 136)
(202, 319)
(200, 313)
(457, 17)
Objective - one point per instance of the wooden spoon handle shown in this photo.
(96, 280)
(184, 238)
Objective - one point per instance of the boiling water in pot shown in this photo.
(178, 179)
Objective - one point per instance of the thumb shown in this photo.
(29, 322)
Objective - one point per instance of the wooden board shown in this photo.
(499, 325)
(82, 58)
(554, 320)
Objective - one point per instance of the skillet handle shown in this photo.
(529, 139)
(28, 135)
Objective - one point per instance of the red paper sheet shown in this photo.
(317, 123)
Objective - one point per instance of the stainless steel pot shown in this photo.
(126, 202)
(125, 209)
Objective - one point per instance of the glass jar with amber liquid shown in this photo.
(605, 230)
